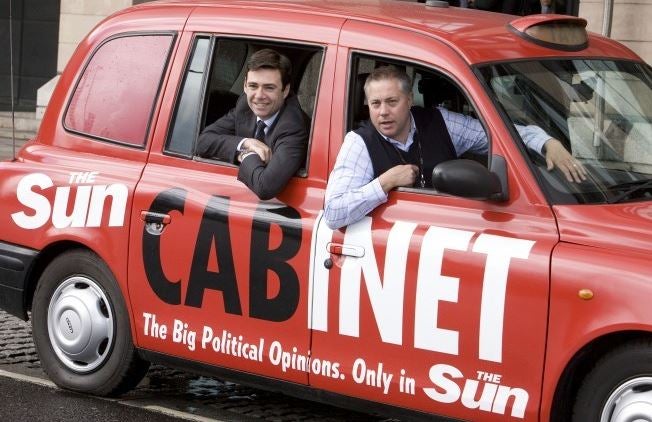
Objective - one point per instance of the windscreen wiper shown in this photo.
(630, 189)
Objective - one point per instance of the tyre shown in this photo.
(619, 387)
(81, 327)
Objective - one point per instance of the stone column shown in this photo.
(629, 23)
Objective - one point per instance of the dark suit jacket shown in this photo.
(287, 138)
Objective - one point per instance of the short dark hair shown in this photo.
(390, 72)
(271, 59)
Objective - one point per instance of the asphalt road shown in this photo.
(27, 401)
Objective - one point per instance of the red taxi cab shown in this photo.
(527, 298)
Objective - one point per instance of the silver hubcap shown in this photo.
(80, 324)
(631, 402)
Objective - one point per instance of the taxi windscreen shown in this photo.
(600, 110)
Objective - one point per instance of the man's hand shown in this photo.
(558, 156)
(401, 175)
(260, 148)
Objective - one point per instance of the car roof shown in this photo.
(478, 36)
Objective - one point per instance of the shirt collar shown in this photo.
(269, 122)
(410, 138)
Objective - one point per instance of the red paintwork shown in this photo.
(603, 248)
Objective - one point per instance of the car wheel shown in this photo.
(81, 327)
(619, 388)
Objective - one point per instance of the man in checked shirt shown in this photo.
(394, 148)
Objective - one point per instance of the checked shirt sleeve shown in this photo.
(352, 191)
(468, 134)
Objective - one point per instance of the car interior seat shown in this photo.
(360, 111)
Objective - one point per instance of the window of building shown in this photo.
(116, 94)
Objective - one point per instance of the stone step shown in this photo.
(24, 121)
(6, 147)
(6, 132)
(21, 136)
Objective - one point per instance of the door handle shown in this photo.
(155, 217)
(346, 250)
(155, 222)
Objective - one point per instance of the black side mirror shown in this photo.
(470, 179)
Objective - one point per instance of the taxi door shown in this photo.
(433, 302)
(218, 276)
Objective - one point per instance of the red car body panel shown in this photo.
(508, 318)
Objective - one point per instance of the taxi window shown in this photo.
(600, 110)
(214, 81)
(430, 90)
(115, 95)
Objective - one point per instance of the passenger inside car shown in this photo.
(402, 142)
(266, 131)
(213, 83)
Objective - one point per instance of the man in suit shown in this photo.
(266, 131)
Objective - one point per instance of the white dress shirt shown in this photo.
(268, 123)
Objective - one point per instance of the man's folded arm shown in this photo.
(217, 140)
(267, 181)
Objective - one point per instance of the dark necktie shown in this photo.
(260, 131)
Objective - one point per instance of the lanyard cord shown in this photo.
(421, 168)
(422, 180)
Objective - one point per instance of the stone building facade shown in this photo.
(78, 17)
(629, 23)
